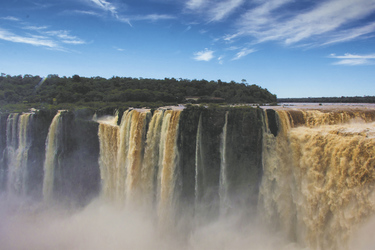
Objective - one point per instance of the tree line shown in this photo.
(76, 89)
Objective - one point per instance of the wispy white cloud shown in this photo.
(223, 9)
(352, 59)
(220, 59)
(115, 10)
(350, 34)
(118, 49)
(204, 55)
(33, 40)
(213, 10)
(324, 21)
(233, 48)
(31, 27)
(86, 12)
(125, 20)
(195, 4)
(243, 52)
(75, 41)
(106, 6)
(10, 18)
(229, 38)
(64, 36)
(40, 36)
(152, 17)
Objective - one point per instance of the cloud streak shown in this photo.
(323, 21)
(152, 17)
(33, 40)
(352, 59)
(40, 36)
(350, 34)
(10, 18)
(223, 9)
(86, 12)
(35, 28)
(121, 17)
(243, 52)
(106, 6)
(213, 11)
(204, 55)
(195, 4)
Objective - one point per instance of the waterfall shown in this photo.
(307, 176)
(11, 150)
(135, 155)
(17, 166)
(150, 165)
(12, 132)
(11, 139)
(223, 192)
(276, 204)
(318, 176)
(167, 164)
(121, 155)
(24, 143)
(198, 163)
(53, 143)
(130, 156)
(11, 145)
(334, 173)
(2, 153)
(122, 162)
(108, 133)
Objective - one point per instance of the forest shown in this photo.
(96, 92)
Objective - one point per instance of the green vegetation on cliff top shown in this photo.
(22, 92)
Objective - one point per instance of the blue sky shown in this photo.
(294, 48)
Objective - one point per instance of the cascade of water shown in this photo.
(313, 118)
(318, 179)
(151, 157)
(11, 147)
(12, 131)
(198, 163)
(52, 146)
(223, 189)
(163, 137)
(276, 204)
(121, 155)
(108, 133)
(334, 173)
(135, 154)
(17, 175)
(167, 164)
(2, 153)
(129, 158)
(122, 162)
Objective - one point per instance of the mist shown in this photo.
(99, 225)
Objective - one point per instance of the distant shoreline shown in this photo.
(343, 99)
